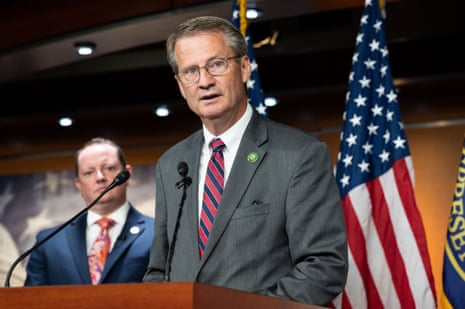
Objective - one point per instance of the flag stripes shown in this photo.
(376, 231)
(389, 262)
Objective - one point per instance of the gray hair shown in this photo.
(204, 24)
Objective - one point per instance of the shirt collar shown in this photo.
(232, 137)
(119, 215)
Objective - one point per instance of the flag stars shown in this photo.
(367, 148)
(253, 66)
(372, 129)
(370, 64)
(399, 142)
(261, 109)
(384, 156)
(250, 84)
(384, 52)
(392, 96)
(347, 96)
(255, 96)
(351, 76)
(380, 90)
(364, 166)
(387, 136)
(359, 40)
(370, 120)
(345, 180)
(364, 20)
(360, 100)
(355, 57)
(372, 160)
(383, 70)
(377, 110)
(365, 82)
(378, 25)
(374, 45)
(351, 140)
(355, 120)
(347, 160)
(389, 115)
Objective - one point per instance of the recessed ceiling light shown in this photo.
(162, 111)
(271, 101)
(253, 13)
(65, 121)
(84, 48)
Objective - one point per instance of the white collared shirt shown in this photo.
(232, 139)
(93, 229)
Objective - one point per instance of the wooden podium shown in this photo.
(140, 295)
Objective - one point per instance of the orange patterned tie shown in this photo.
(99, 251)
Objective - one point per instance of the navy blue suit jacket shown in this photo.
(63, 258)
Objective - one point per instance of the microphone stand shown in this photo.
(118, 180)
(183, 183)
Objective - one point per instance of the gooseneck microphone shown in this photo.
(183, 183)
(121, 178)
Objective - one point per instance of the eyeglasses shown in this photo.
(214, 67)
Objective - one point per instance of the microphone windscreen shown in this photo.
(182, 169)
(122, 177)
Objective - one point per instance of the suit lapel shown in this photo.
(191, 206)
(133, 228)
(76, 236)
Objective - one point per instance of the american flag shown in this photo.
(254, 87)
(453, 279)
(389, 265)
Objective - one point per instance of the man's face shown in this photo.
(98, 166)
(212, 97)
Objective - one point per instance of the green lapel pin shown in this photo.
(252, 157)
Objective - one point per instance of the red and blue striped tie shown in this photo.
(213, 190)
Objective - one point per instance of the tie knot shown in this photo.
(105, 223)
(217, 145)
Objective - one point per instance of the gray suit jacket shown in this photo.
(279, 229)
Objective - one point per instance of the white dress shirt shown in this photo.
(93, 229)
(232, 139)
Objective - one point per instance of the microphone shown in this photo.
(183, 183)
(121, 178)
(182, 170)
